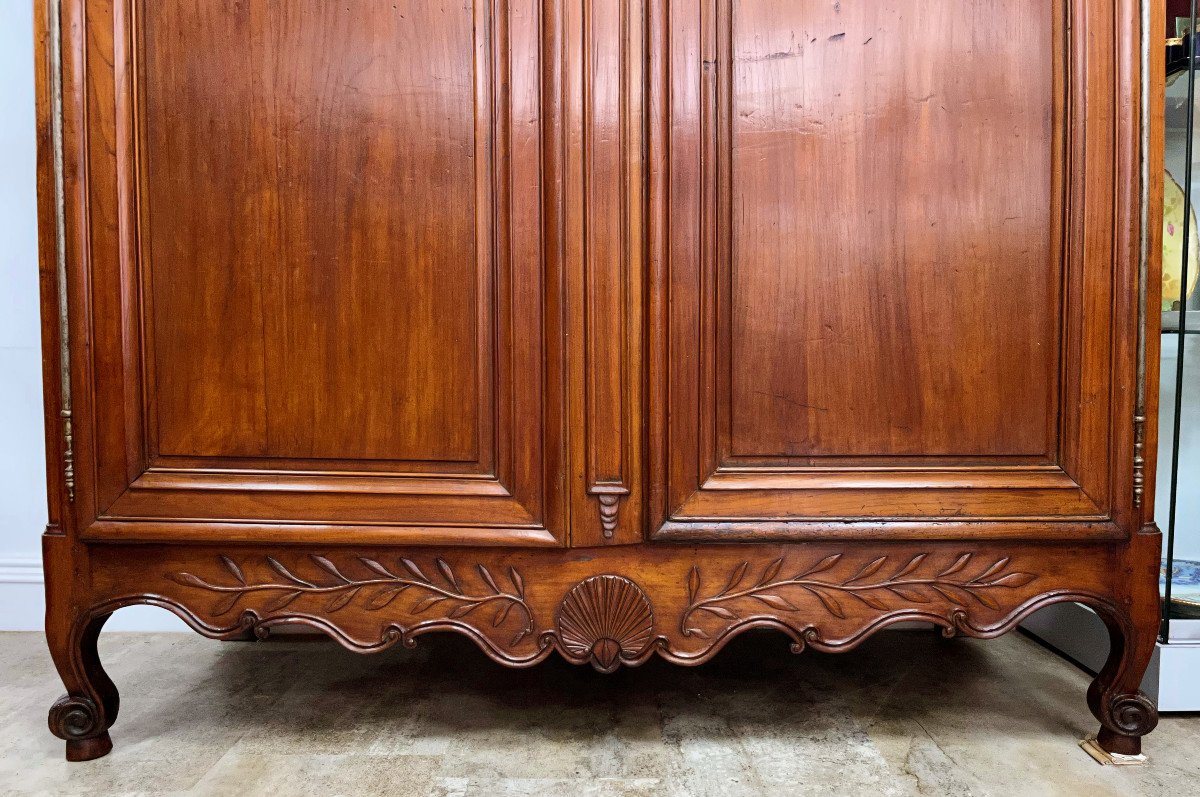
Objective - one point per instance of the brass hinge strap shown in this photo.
(1143, 290)
(60, 233)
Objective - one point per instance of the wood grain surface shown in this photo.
(611, 328)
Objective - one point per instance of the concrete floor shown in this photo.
(905, 714)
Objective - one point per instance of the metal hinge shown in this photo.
(1143, 285)
(60, 232)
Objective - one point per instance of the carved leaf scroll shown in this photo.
(378, 590)
(865, 585)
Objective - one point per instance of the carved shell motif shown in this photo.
(605, 619)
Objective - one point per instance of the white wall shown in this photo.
(22, 459)
(22, 468)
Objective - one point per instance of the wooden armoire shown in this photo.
(611, 328)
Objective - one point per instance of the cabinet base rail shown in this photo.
(609, 607)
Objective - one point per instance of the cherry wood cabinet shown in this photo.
(605, 327)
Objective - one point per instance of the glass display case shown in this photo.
(1177, 498)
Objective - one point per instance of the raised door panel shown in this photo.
(892, 279)
(321, 285)
(881, 293)
(317, 231)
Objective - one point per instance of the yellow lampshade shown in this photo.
(1172, 247)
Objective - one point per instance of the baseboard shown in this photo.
(23, 602)
(20, 570)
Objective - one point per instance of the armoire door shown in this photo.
(890, 245)
(314, 293)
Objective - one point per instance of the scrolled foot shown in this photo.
(73, 717)
(1127, 718)
(78, 721)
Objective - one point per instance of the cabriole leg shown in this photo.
(1125, 713)
(83, 716)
